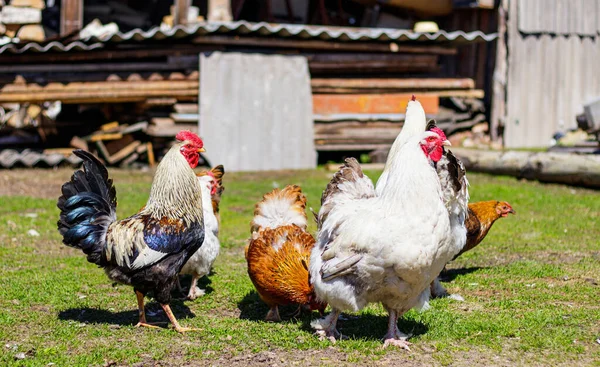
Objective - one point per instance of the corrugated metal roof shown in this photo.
(307, 32)
(29, 158)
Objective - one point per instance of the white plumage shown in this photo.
(201, 262)
(383, 246)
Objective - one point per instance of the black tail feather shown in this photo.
(87, 207)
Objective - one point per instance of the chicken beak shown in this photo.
(446, 143)
(201, 150)
(512, 211)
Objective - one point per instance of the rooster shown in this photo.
(387, 245)
(279, 250)
(148, 249)
(482, 215)
(202, 260)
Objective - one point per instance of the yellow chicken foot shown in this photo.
(394, 336)
(142, 313)
(173, 320)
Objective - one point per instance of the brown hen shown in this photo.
(481, 216)
(279, 251)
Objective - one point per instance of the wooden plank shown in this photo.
(138, 91)
(124, 153)
(71, 16)
(101, 137)
(465, 93)
(16, 15)
(150, 151)
(392, 83)
(180, 15)
(185, 117)
(31, 32)
(170, 131)
(78, 143)
(186, 108)
(37, 4)
(390, 47)
(162, 121)
(64, 151)
(110, 126)
(370, 103)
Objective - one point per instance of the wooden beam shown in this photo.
(97, 92)
(264, 42)
(570, 169)
(182, 7)
(325, 104)
(71, 16)
(381, 83)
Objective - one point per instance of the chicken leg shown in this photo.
(142, 311)
(326, 327)
(273, 314)
(173, 320)
(195, 291)
(394, 336)
(438, 291)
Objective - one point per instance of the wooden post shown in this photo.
(71, 16)
(181, 12)
(498, 114)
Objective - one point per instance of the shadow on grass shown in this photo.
(449, 275)
(363, 326)
(154, 313)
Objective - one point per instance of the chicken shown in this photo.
(202, 260)
(386, 246)
(279, 250)
(482, 215)
(148, 249)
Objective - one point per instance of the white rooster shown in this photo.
(385, 247)
(201, 262)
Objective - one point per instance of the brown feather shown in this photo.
(482, 215)
(278, 257)
(281, 276)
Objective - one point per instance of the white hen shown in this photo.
(201, 262)
(385, 247)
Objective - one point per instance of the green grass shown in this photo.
(531, 289)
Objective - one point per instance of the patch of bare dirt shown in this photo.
(332, 356)
(46, 183)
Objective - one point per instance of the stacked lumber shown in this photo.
(21, 19)
(115, 144)
(113, 90)
(366, 114)
(184, 116)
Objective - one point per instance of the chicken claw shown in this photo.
(397, 343)
(325, 327)
(273, 315)
(332, 336)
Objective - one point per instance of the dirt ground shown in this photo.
(43, 183)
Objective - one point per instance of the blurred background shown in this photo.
(279, 84)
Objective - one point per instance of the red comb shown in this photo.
(413, 98)
(188, 135)
(439, 131)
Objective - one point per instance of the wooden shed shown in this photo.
(547, 68)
